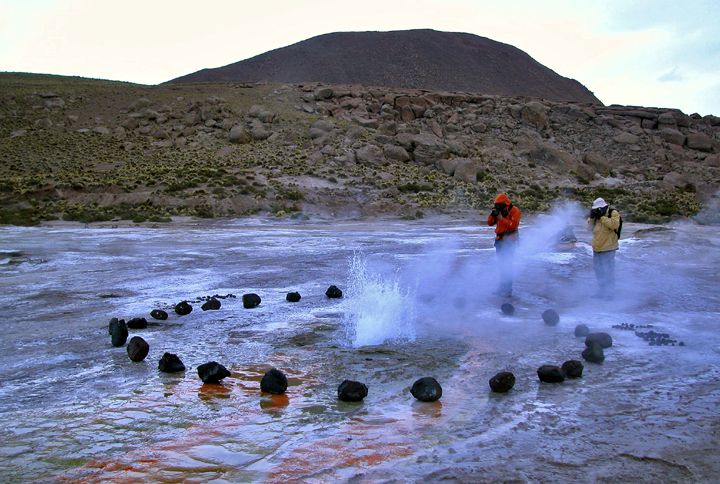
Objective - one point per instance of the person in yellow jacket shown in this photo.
(604, 222)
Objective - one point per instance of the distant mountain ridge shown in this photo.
(421, 59)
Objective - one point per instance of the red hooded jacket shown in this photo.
(508, 221)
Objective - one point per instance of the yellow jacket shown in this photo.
(603, 229)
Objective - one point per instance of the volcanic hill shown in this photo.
(421, 59)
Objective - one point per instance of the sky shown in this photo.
(661, 53)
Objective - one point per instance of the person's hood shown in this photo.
(599, 203)
(503, 198)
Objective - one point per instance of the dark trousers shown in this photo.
(604, 266)
(505, 252)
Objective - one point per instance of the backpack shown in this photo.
(619, 229)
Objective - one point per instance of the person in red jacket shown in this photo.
(506, 218)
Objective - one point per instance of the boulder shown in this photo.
(211, 304)
(594, 353)
(666, 119)
(251, 300)
(582, 330)
(551, 317)
(448, 165)
(573, 368)
(352, 391)
(259, 133)
(137, 323)
(502, 382)
(170, 363)
(261, 113)
(212, 372)
(466, 170)
(672, 136)
(369, 154)
(603, 339)
(428, 149)
(426, 389)
(137, 348)
(158, 314)
(183, 308)
(597, 162)
(333, 292)
(274, 381)
(699, 141)
(534, 113)
(626, 139)
(396, 153)
(238, 134)
(550, 374)
(507, 308)
(323, 93)
(292, 297)
(118, 331)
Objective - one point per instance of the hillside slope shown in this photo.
(86, 150)
(424, 59)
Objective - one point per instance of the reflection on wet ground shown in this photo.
(78, 409)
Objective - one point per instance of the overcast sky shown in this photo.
(663, 53)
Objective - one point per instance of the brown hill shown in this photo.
(423, 59)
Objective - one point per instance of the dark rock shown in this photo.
(159, 314)
(137, 348)
(292, 297)
(573, 368)
(251, 300)
(508, 309)
(333, 292)
(211, 304)
(551, 317)
(603, 339)
(183, 308)
(550, 374)
(212, 372)
(594, 353)
(170, 363)
(502, 382)
(426, 389)
(118, 331)
(352, 391)
(581, 330)
(274, 381)
(137, 323)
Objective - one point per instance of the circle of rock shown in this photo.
(502, 382)
(212, 372)
(158, 314)
(274, 381)
(137, 349)
(507, 308)
(572, 368)
(352, 391)
(251, 300)
(551, 317)
(426, 389)
(550, 374)
(183, 308)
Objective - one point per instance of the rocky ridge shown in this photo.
(96, 150)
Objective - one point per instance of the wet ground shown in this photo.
(418, 302)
